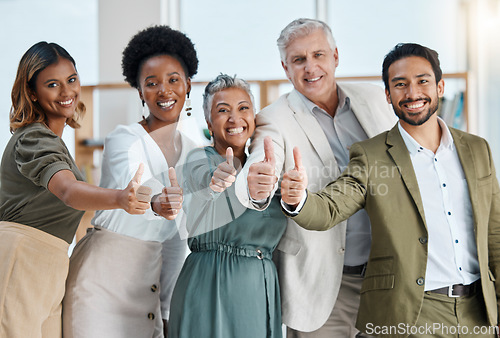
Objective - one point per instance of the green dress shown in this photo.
(228, 286)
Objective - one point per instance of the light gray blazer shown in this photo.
(310, 263)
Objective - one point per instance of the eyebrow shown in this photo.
(395, 79)
(227, 104)
(313, 52)
(52, 80)
(169, 74)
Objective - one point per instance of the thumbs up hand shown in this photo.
(294, 182)
(225, 174)
(169, 203)
(261, 176)
(135, 198)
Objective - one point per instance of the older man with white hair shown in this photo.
(320, 274)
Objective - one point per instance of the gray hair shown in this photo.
(220, 83)
(299, 28)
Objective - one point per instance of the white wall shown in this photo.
(70, 23)
(118, 21)
(239, 37)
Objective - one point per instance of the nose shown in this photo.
(67, 90)
(163, 89)
(310, 65)
(233, 116)
(413, 91)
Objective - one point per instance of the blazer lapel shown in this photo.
(311, 128)
(399, 153)
(372, 120)
(469, 167)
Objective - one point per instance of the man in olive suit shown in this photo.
(433, 199)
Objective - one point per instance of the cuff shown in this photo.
(288, 208)
(258, 203)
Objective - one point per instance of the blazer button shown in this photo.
(422, 240)
(154, 288)
(151, 316)
(420, 281)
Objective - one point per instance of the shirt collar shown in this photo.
(344, 101)
(413, 146)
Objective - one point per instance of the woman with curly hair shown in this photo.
(43, 194)
(117, 286)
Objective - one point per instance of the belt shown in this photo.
(240, 251)
(459, 290)
(355, 270)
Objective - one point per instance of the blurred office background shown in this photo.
(239, 37)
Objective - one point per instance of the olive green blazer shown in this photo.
(381, 179)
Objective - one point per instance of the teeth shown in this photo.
(166, 104)
(313, 80)
(65, 103)
(232, 131)
(415, 105)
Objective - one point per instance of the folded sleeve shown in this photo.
(39, 154)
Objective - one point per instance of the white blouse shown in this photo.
(124, 149)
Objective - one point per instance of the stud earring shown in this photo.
(188, 105)
(143, 110)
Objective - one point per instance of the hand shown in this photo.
(225, 174)
(135, 198)
(169, 203)
(261, 177)
(294, 183)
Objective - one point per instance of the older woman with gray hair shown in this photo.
(228, 286)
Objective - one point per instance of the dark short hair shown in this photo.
(154, 41)
(403, 50)
(36, 59)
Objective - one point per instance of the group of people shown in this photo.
(409, 217)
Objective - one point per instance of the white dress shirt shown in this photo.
(452, 252)
(342, 131)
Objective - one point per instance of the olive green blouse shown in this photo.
(32, 156)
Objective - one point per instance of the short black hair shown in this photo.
(403, 50)
(154, 41)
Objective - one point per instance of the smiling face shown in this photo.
(163, 86)
(57, 91)
(233, 119)
(413, 91)
(310, 66)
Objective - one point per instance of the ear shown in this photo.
(388, 96)
(440, 88)
(285, 67)
(209, 125)
(188, 85)
(140, 94)
(32, 95)
(336, 57)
